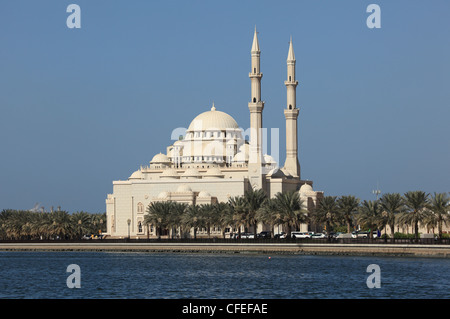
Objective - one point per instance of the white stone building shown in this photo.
(213, 162)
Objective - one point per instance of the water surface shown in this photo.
(240, 276)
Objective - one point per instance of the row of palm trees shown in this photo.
(392, 209)
(28, 225)
(289, 210)
(286, 209)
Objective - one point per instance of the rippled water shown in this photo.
(170, 275)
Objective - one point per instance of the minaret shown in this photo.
(291, 113)
(256, 107)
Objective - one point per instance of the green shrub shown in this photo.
(404, 236)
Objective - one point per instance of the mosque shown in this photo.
(213, 162)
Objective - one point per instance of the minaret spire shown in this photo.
(291, 114)
(255, 45)
(291, 55)
(256, 107)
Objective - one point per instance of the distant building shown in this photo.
(213, 162)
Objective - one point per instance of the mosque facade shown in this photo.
(213, 162)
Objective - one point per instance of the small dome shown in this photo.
(212, 120)
(204, 194)
(214, 172)
(137, 175)
(169, 172)
(306, 189)
(183, 188)
(191, 172)
(160, 158)
(163, 195)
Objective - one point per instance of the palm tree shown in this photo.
(254, 200)
(348, 206)
(268, 214)
(61, 225)
(440, 207)
(14, 222)
(224, 216)
(208, 217)
(290, 207)
(237, 206)
(392, 205)
(82, 223)
(43, 225)
(416, 203)
(97, 223)
(157, 215)
(369, 216)
(327, 211)
(177, 211)
(191, 218)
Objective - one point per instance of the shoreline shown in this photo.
(397, 250)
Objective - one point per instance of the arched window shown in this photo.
(254, 70)
(290, 107)
(140, 207)
(289, 78)
(140, 227)
(254, 100)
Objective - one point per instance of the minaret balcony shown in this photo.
(294, 83)
(255, 75)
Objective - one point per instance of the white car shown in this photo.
(297, 234)
(281, 235)
(247, 235)
(344, 235)
(319, 235)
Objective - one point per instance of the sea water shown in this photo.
(213, 275)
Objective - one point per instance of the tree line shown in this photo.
(29, 225)
(289, 210)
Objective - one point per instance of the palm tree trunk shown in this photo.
(392, 232)
(416, 230)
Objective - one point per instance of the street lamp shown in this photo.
(129, 222)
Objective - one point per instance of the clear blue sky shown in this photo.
(80, 108)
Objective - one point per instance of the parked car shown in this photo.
(264, 234)
(343, 235)
(280, 235)
(297, 234)
(360, 234)
(247, 235)
(318, 235)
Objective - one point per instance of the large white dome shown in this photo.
(212, 120)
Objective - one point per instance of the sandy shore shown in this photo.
(290, 248)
